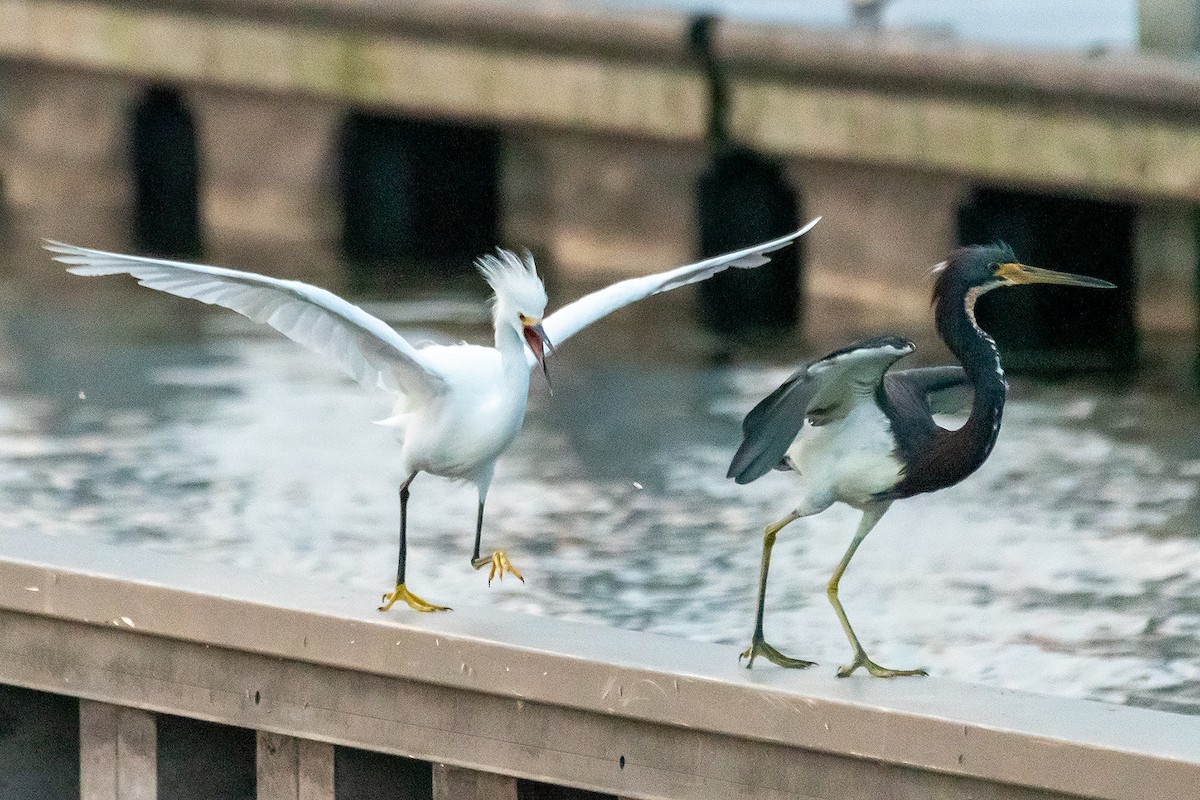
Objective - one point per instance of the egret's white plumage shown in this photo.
(458, 407)
(513, 279)
(365, 347)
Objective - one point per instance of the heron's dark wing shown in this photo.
(795, 390)
(945, 388)
(771, 426)
(824, 390)
(911, 397)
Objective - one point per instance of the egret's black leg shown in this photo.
(478, 531)
(403, 559)
(870, 517)
(758, 644)
(401, 591)
(499, 559)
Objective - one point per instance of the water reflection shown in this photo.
(1069, 564)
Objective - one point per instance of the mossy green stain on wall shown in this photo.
(1111, 149)
(120, 37)
(1106, 146)
(354, 71)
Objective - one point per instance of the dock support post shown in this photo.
(1195, 220)
(456, 783)
(742, 198)
(166, 175)
(293, 769)
(118, 757)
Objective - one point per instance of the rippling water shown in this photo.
(1070, 564)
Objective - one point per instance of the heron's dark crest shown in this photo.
(971, 266)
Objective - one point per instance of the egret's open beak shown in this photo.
(539, 343)
(1019, 274)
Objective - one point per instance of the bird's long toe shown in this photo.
(499, 564)
(861, 660)
(402, 593)
(759, 647)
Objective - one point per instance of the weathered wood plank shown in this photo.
(457, 783)
(117, 753)
(288, 768)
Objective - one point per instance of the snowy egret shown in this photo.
(458, 406)
(866, 437)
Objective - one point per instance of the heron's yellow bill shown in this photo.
(1017, 274)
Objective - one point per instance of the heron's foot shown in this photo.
(402, 593)
(500, 565)
(861, 660)
(759, 647)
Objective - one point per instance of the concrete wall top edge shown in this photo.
(912, 63)
(895, 60)
(547, 27)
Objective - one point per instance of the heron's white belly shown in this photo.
(851, 459)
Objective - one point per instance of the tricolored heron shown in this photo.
(458, 407)
(864, 436)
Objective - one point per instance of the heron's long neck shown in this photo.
(981, 361)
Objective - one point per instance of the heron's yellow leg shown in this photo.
(402, 593)
(759, 647)
(870, 517)
(758, 644)
(499, 565)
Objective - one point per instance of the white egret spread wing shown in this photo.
(574, 317)
(822, 392)
(365, 347)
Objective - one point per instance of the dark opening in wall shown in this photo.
(534, 790)
(743, 199)
(416, 193)
(206, 760)
(166, 175)
(39, 745)
(364, 775)
(1054, 328)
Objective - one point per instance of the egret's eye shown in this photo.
(522, 317)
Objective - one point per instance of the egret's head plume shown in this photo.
(514, 279)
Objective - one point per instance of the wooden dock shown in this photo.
(488, 699)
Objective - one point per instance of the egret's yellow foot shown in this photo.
(861, 660)
(500, 565)
(414, 602)
(759, 647)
